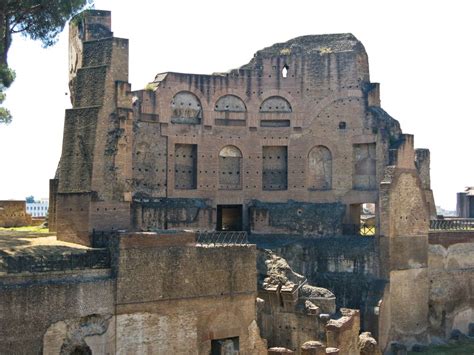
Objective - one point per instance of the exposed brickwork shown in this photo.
(160, 294)
(294, 142)
(13, 214)
(300, 121)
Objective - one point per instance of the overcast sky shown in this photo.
(420, 51)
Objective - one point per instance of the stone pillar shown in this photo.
(422, 162)
(404, 224)
(343, 333)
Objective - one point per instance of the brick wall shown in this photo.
(13, 214)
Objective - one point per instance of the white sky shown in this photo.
(420, 51)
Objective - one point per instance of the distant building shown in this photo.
(465, 203)
(38, 208)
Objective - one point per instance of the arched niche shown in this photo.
(186, 108)
(320, 168)
(230, 103)
(230, 111)
(230, 166)
(275, 104)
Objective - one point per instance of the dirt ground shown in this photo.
(24, 241)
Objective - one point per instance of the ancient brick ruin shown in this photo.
(269, 168)
(293, 142)
(13, 214)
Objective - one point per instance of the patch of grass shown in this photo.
(151, 86)
(34, 229)
(325, 50)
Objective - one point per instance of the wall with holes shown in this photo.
(230, 111)
(186, 108)
(185, 165)
(274, 168)
(149, 161)
(230, 166)
(323, 99)
(314, 132)
(13, 214)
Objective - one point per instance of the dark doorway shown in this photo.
(81, 350)
(229, 346)
(229, 218)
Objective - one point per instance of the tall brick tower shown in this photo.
(92, 191)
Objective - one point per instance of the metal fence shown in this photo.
(96, 259)
(452, 224)
(222, 238)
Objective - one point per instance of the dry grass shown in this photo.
(32, 229)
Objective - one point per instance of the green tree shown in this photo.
(39, 20)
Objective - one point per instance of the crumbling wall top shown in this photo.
(311, 44)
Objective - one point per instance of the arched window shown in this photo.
(230, 165)
(320, 168)
(186, 108)
(275, 104)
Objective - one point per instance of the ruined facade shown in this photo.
(293, 142)
(155, 294)
(288, 147)
(13, 214)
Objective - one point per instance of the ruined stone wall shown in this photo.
(290, 329)
(302, 118)
(162, 294)
(31, 303)
(13, 214)
(291, 312)
(347, 266)
(422, 163)
(199, 293)
(95, 162)
(451, 275)
(299, 133)
(404, 217)
(296, 218)
(157, 214)
(343, 333)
